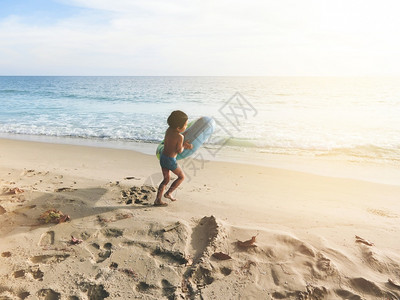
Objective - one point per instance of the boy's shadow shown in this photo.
(77, 203)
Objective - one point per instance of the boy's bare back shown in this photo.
(173, 142)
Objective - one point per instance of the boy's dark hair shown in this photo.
(177, 119)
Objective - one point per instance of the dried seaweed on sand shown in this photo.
(53, 216)
(247, 244)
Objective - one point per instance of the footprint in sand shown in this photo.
(203, 276)
(19, 274)
(324, 264)
(324, 267)
(48, 294)
(93, 291)
(168, 289)
(47, 239)
(112, 232)
(170, 256)
(226, 271)
(49, 259)
(144, 287)
(139, 195)
(34, 271)
(103, 253)
(21, 294)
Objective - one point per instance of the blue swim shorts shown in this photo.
(168, 162)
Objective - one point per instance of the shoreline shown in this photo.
(304, 227)
(385, 173)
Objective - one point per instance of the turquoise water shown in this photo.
(358, 117)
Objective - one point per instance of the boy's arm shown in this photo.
(180, 147)
(187, 145)
(183, 145)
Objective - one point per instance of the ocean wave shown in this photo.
(356, 153)
(14, 92)
(84, 136)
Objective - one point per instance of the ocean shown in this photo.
(355, 119)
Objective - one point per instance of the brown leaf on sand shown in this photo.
(221, 256)
(75, 241)
(53, 216)
(363, 241)
(248, 243)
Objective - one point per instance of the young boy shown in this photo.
(173, 145)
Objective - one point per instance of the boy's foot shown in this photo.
(160, 203)
(169, 197)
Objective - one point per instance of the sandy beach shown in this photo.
(237, 231)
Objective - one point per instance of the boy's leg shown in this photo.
(161, 187)
(178, 172)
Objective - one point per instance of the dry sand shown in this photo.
(305, 229)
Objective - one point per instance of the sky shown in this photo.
(200, 38)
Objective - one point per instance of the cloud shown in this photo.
(130, 37)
